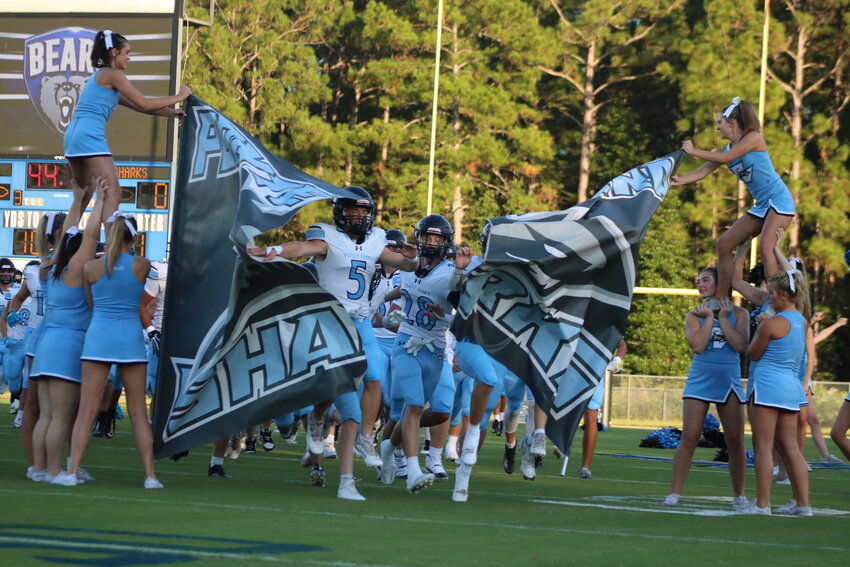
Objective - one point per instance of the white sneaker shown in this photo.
(784, 480)
(741, 502)
(65, 479)
(585, 473)
(306, 460)
(387, 462)
(42, 476)
(315, 439)
(436, 468)
(451, 452)
(14, 406)
(460, 495)
(671, 500)
(755, 509)
(803, 511)
(526, 463)
(348, 491)
(809, 466)
(152, 484)
(787, 509)
(414, 486)
(84, 476)
(20, 417)
(538, 444)
(831, 460)
(400, 465)
(329, 453)
(30, 470)
(367, 450)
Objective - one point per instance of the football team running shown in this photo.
(80, 320)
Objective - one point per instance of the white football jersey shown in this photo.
(6, 297)
(39, 304)
(155, 287)
(347, 270)
(386, 285)
(418, 291)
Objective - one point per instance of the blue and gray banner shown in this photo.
(552, 297)
(243, 341)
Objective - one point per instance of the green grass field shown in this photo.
(269, 514)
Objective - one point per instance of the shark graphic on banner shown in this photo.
(551, 299)
(243, 341)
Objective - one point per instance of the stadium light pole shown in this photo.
(434, 106)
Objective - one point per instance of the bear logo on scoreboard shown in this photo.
(57, 64)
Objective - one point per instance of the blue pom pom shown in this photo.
(751, 458)
(847, 259)
(711, 423)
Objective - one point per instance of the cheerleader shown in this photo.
(48, 232)
(56, 367)
(717, 339)
(746, 156)
(115, 284)
(775, 391)
(85, 140)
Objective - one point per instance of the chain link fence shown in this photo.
(656, 401)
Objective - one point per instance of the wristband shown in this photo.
(460, 271)
(414, 260)
(149, 329)
(276, 249)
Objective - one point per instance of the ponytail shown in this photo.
(120, 233)
(745, 115)
(45, 234)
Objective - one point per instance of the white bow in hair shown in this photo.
(731, 107)
(126, 216)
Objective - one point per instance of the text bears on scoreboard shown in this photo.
(57, 64)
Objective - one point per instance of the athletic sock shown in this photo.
(427, 434)
(472, 435)
(500, 416)
(543, 431)
(510, 445)
(436, 454)
(413, 470)
(512, 423)
(462, 475)
(216, 461)
(452, 442)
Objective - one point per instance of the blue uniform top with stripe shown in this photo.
(756, 171)
(67, 307)
(86, 134)
(118, 296)
(717, 351)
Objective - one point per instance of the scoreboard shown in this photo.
(44, 62)
(29, 188)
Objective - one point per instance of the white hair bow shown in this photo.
(791, 280)
(731, 107)
(48, 226)
(126, 216)
(107, 38)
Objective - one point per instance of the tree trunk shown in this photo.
(797, 129)
(588, 125)
(382, 165)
